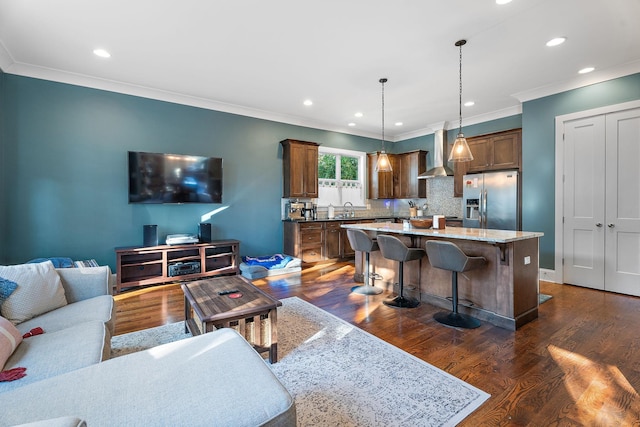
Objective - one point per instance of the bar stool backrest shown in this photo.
(448, 256)
(360, 241)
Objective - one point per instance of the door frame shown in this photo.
(559, 178)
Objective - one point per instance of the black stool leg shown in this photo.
(400, 301)
(454, 318)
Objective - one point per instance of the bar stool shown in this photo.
(361, 242)
(392, 248)
(448, 256)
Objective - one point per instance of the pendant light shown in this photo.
(383, 164)
(460, 151)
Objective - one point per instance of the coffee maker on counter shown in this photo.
(295, 210)
(302, 210)
(310, 211)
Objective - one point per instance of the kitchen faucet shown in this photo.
(352, 214)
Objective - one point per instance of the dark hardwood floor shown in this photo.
(576, 365)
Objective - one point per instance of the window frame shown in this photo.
(362, 172)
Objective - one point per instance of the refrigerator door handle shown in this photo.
(484, 209)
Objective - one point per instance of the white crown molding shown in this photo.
(5, 58)
(594, 77)
(161, 95)
(8, 65)
(451, 124)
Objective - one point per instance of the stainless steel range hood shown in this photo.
(440, 168)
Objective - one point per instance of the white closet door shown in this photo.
(623, 202)
(584, 201)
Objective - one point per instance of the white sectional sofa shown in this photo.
(76, 335)
(213, 379)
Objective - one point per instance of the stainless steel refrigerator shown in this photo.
(491, 200)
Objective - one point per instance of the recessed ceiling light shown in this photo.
(308, 102)
(101, 53)
(503, 1)
(399, 123)
(556, 41)
(469, 104)
(586, 70)
(358, 114)
(351, 124)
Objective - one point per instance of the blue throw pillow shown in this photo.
(6, 288)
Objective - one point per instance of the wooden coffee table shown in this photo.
(247, 309)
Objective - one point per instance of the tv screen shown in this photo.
(174, 178)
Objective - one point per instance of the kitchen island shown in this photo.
(504, 292)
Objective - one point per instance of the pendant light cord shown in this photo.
(460, 103)
(460, 43)
(383, 81)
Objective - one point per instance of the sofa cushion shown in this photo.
(212, 379)
(55, 353)
(39, 291)
(10, 338)
(57, 422)
(98, 308)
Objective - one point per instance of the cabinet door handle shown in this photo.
(611, 225)
(598, 224)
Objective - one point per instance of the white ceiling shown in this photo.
(264, 58)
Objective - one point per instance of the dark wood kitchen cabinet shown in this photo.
(410, 165)
(402, 182)
(318, 240)
(380, 185)
(332, 241)
(304, 240)
(491, 152)
(497, 151)
(299, 168)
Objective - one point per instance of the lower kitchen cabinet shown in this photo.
(332, 240)
(318, 240)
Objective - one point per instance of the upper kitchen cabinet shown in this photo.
(300, 168)
(403, 182)
(410, 165)
(381, 184)
(496, 151)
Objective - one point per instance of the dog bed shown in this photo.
(272, 265)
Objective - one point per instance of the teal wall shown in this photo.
(64, 169)
(66, 156)
(3, 178)
(538, 150)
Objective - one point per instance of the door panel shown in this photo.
(623, 202)
(583, 206)
(501, 200)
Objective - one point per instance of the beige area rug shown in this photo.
(340, 375)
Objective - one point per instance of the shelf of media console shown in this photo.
(143, 266)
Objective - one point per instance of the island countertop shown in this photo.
(476, 234)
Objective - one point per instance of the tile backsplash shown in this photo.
(439, 201)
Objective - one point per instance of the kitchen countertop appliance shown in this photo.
(295, 210)
(491, 200)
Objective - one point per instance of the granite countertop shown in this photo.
(476, 234)
(361, 218)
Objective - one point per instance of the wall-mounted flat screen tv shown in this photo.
(174, 178)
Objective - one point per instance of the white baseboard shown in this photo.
(548, 275)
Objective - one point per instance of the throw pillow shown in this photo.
(39, 291)
(6, 288)
(10, 337)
